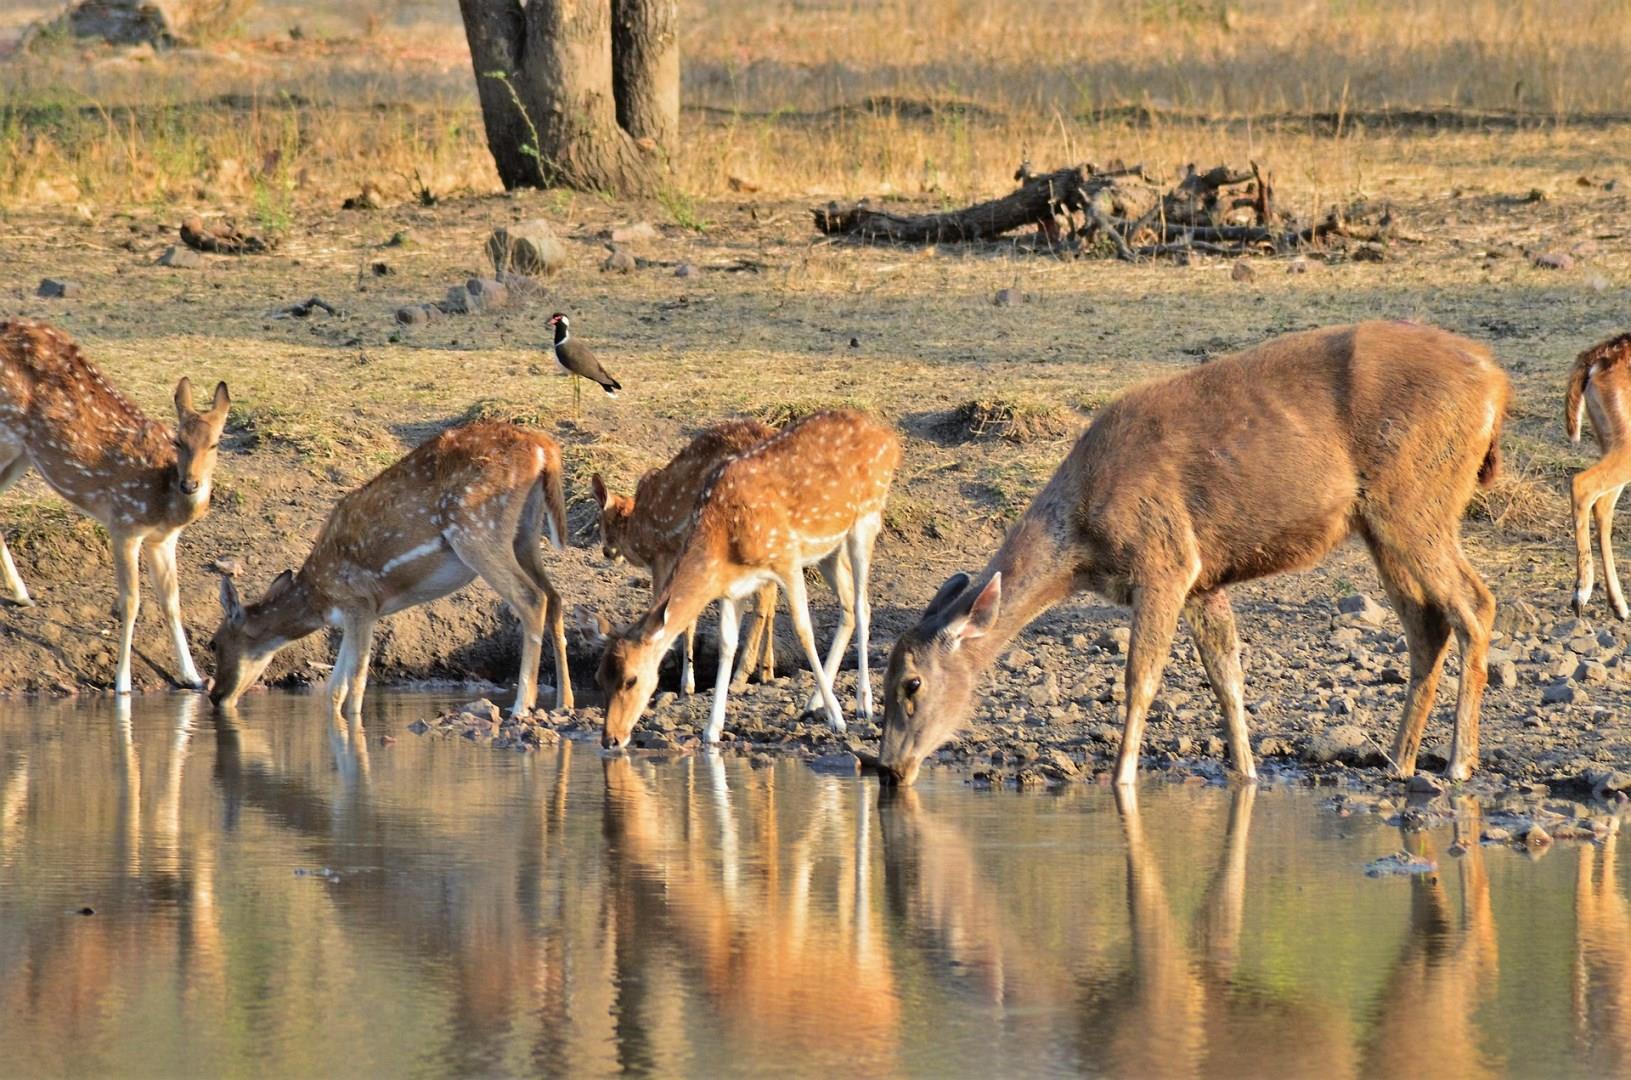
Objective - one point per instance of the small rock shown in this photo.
(528, 247)
(1494, 834)
(1343, 742)
(1516, 616)
(618, 262)
(181, 258)
(1003, 298)
(1362, 608)
(419, 727)
(639, 230)
(1554, 260)
(481, 709)
(381, 269)
(843, 762)
(1115, 639)
(684, 269)
(1590, 671)
(1423, 784)
(1243, 272)
(417, 314)
(1535, 837)
(1400, 863)
(1563, 693)
(1299, 265)
(52, 289)
(1503, 675)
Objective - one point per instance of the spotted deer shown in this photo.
(1600, 387)
(143, 480)
(1251, 465)
(648, 529)
(472, 502)
(812, 494)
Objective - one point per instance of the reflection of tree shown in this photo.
(1446, 970)
(1181, 1008)
(1602, 964)
(788, 975)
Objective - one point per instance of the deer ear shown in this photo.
(951, 590)
(656, 622)
(980, 615)
(230, 603)
(279, 583)
(223, 400)
(599, 487)
(184, 398)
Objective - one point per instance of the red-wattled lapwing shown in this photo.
(577, 361)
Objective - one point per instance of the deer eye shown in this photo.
(629, 685)
(912, 686)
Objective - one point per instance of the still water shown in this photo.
(278, 897)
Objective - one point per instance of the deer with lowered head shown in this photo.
(812, 494)
(143, 480)
(1253, 464)
(475, 501)
(648, 529)
(1600, 387)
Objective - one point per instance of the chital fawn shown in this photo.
(648, 529)
(143, 480)
(1251, 465)
(1600, 387)
(811, 495)
(472, 502)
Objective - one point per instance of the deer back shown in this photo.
(666, 499)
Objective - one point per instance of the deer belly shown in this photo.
(420, 575)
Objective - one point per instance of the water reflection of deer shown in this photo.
(1445, 970)
(1183, 1008)
(1602, 963)
(790, 975)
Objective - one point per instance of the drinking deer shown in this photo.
(143, 480)
(1251, 465)
(649, 528)
(814, 490)
(469, 503)
(1600, 386)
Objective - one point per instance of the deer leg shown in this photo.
(1472, 615)
(529, 559)
(798, 603)
(9, 474)
(767, 609)
(345, 663)
(1212, 622)
(836, 570)
(161, 560)
(360, 629)
(1586, 488)
(127, 553)
(859, 543)
(729, 632)
(758, 638)
(688, 675)
(1155, 618)
(1603, 511)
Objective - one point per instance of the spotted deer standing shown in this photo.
(649, 528)
(810, 495)
(1600, 387)
(473, 502)
(1251, 465)
(143, 480)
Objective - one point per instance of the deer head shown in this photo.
(241, 646)
(628, 674)
(198, 438)
(930, 682)
(615, 512)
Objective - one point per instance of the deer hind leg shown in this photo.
(859, 545)
(529, 559)
(161, 559)
(1212, 622)
(127, 554)
(759, 650)
(1588, 486)
(1427, 635)
(1472, 614)
(1155, 619)
(9, 474)
(729, 632)
(798, 603)
(500, 567)
(1603, 511)
(838, 573)
(349, 679)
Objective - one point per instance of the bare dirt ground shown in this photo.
(771, 321)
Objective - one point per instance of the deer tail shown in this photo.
(1574, 410)
(555, 497)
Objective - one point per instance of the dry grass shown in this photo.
(1007, 418)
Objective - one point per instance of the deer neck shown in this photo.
(1039, 569)
(287, 616)
(700, 576)
(151, 461)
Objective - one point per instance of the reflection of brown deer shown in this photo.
(1184, 1009)
(789, 975)
(1443, 974)
(1602, 964)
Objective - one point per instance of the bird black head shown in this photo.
(560, 323)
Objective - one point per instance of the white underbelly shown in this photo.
(432, 578)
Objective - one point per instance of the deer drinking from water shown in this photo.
(143, 480)
(1250, 465)
(813, 494)
(472, 502)
(649, 528)
(1600, 387)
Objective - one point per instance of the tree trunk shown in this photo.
(646, 68)
(545, 77)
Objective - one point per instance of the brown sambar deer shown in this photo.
(1600, 387)
(1250, 465)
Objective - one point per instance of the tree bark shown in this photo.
(646, 68)
(545, 76)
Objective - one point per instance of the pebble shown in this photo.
(52, 289)
(1242, 271)
(1563, 693)
(181, 258)
(1362, 608)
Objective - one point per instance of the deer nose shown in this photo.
(610, 741)
(189, 487)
